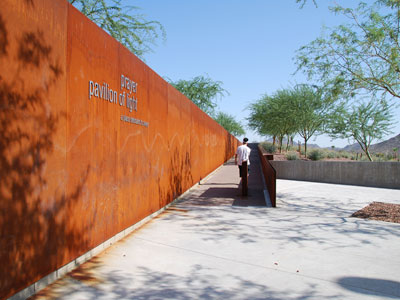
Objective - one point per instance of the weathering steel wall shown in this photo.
(74, 172)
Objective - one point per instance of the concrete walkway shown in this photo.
(214, 244)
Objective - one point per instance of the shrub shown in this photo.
(269, 147)
(331, 154)
(291, 156)
(316, 154)
(379, 159)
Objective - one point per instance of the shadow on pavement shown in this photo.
(148, 283)
(362, 285)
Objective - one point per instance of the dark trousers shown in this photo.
(240, 170)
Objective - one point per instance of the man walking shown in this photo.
(242, 154)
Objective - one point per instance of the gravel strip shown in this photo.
(387, 212)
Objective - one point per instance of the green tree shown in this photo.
(362, 56)
(309, 109)
(272, 116)
(132, 30)
(364, 123)
(299, 110)
(203, 91)
(257, 118)
(229, 123)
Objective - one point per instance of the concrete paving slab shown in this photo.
(214, 244)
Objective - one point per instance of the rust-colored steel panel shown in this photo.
(32, 140)
(179, 161)
(92, 140)
(184, 141)
(196, 143)
(269, 175)
(158, 143)
(92, 131)
(134, 149)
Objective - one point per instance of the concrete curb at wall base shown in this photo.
(371, 174)
(52, 277)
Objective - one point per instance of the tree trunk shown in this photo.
(287, 144)
(369, 155)
(305, 147)
(365, 148)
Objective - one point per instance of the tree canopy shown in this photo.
(230, 124)
(362, 56)
(270, 116)
(202, 90)
(310, 110)
(363, 123)
(301, 110)
(123, 23)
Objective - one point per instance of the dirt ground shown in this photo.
(380, 211)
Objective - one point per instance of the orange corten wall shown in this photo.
(75, 168)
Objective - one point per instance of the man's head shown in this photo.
(245, 140)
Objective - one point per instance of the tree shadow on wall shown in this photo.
(180, 173)
(30, 2)
(34, 229)
(229, 151)
(3, 38)
(180, 178)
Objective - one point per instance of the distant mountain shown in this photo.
(382, 147)
(312, 145)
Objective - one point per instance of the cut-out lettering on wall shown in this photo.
(126, 97)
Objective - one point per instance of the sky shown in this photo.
(249, 46)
